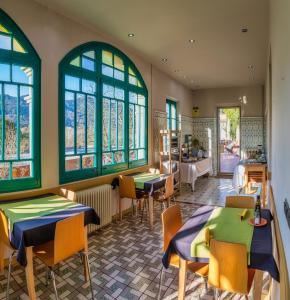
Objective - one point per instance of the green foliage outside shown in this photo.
(233, 114)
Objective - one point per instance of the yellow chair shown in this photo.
(240, 201)
(70, 239)
(6, 246)
(168, 193)
(127, 189)
(228, 268)
(171, 222)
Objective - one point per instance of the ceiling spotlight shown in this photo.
(244, 30)
(164, 59)
(176, 71)
(131, 34)
(191, 41)
(251, 67)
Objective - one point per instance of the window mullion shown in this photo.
(75, 124)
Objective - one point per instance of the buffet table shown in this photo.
(190, 171)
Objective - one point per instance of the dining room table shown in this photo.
(147, 183)
(224, 224)
(32, 222)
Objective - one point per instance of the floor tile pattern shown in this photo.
(125, 261)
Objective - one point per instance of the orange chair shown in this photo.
(240, 201)
(167, 194)
(127, 189)
(70, 239)
(171, 222)
(228, 268)
(5, 244)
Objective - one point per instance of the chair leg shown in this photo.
(132, 206)
(48, 277)
(142, 214)
(163, 205)
(216, 294)
(205, 284)
(54, 283)
(9, 275)
(160, 282)
(86, 259)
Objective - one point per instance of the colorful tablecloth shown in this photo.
(261, 252)
(41, 229)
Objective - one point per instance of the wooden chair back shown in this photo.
(69, 237)
(171, 222)
(228, 267)
(127, 187)
(169, 186)
(240, 201)
(4, 231)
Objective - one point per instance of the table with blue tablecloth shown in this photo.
(32, 222)
(261, 250)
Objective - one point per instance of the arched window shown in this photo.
(102, 113)
(19, 109)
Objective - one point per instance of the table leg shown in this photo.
(258, 285)
(29, 274)
(86, 271)
(182, 278)
(151, 207)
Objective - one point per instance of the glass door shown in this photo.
(228, 138)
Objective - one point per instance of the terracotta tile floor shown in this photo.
(125, 260)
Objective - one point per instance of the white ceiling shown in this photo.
(221, 54)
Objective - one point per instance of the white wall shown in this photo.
(53, 36)
(280, 155)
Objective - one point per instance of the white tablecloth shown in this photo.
(238, 178)
(190, 171)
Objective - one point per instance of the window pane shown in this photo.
(131, 126)
(10, 99)
(113, 125)
(121, 125)
(106, 124)
(4, 171)
(72, 163)
(141, 154)
(119, 157)
(69, 123)
(132, 97)
(88, 161)
(88, 86)
(107, 58)
(119, 75)
(137, 126)
(5, 42)
(173, 111)
(108, 91)
(142, 127)
(90, 54)
(133, 155)
(88, 64)
(21, 169)
(108, 71)
(141, 100)
(4, 72)
(81, 123)
(118, 63)
(91, 123)
(3, 29)
(173, 124)
(76, 62)
(25, 121)
(17, 47)
(107, 158)
(22, 74)
(72, 83)
(119, 94)
(132, 80)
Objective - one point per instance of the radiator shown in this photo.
(99, 198)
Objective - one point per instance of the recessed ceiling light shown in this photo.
(191, 41)
(244, 29)
(131, 34)
(250, 67)
(164, 59)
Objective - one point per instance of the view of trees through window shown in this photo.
(105, 113)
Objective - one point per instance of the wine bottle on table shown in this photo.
(258, 211)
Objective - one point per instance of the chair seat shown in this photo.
(200, 269)
(45, 252)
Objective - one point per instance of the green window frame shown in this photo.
(171, 115)
(19, 110)
(98, 87)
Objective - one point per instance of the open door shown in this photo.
(228, 139)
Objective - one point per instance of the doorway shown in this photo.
(228, 139)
